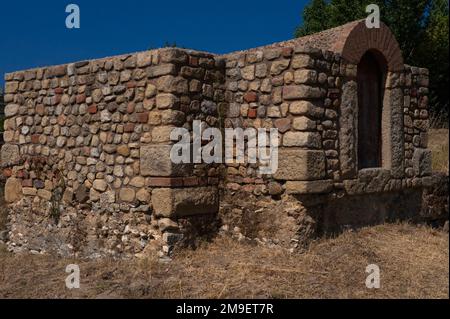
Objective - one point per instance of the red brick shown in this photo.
(59, 91)
(131, 84)
(40, 109)
(248, 180)
(128, 128)
(92, 109)
(234, 179)
(259, 181)
(193, 61)
(130, 108)
(81, 98)
(58, 99)
(27, 183)
(86, 151)
(248, 188)
(190, 181)
(165, 181)
(35, 138)
(233, 186)
(250, 97)
(283, 125)
(252, 113)
(142, 117)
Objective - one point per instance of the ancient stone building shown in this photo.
(88, 143)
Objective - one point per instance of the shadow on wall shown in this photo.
(371, 209)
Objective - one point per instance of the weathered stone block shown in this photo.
(305, 76)
(29, 191)
(303, 165)
(172, 84)
(302, 139)
(100, 185)
(10, 153)
(143, 195)
(369, 180)
(107, 197)
(283, 124)
(309, 187)
(160, 70)
(143, 59)
(123, 150)
(296, 92)
(161, 134)
(306, 108)
(392, 132)
(178, 202)
(302, 61)
(234, 110)
(127, 194)
(348, 132)
(172, 117)
(45, 194)
(155, 161)
(173, 56)
(248, 73)
(303, 123)
(279, 66)
(11, 87)
(11, 110)
(13, 190)
(166, 101)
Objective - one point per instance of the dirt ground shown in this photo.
(413, 262)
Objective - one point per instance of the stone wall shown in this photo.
(88, 145)
(310, 96)
(297, 91)
(98, 133)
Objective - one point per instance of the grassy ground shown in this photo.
(438, 143)
(413, 260)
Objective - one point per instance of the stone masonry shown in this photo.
(87, 145)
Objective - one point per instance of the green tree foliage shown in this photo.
(316, 17)
(433, 53)
(420, 27)
(350, 10)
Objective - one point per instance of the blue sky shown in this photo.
(34, 32)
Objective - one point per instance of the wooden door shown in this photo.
(370, 99)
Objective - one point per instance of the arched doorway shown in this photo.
(371, 81)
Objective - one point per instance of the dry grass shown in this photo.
(414, 263)
(438, 143)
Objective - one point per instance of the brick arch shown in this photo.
(355, 39)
